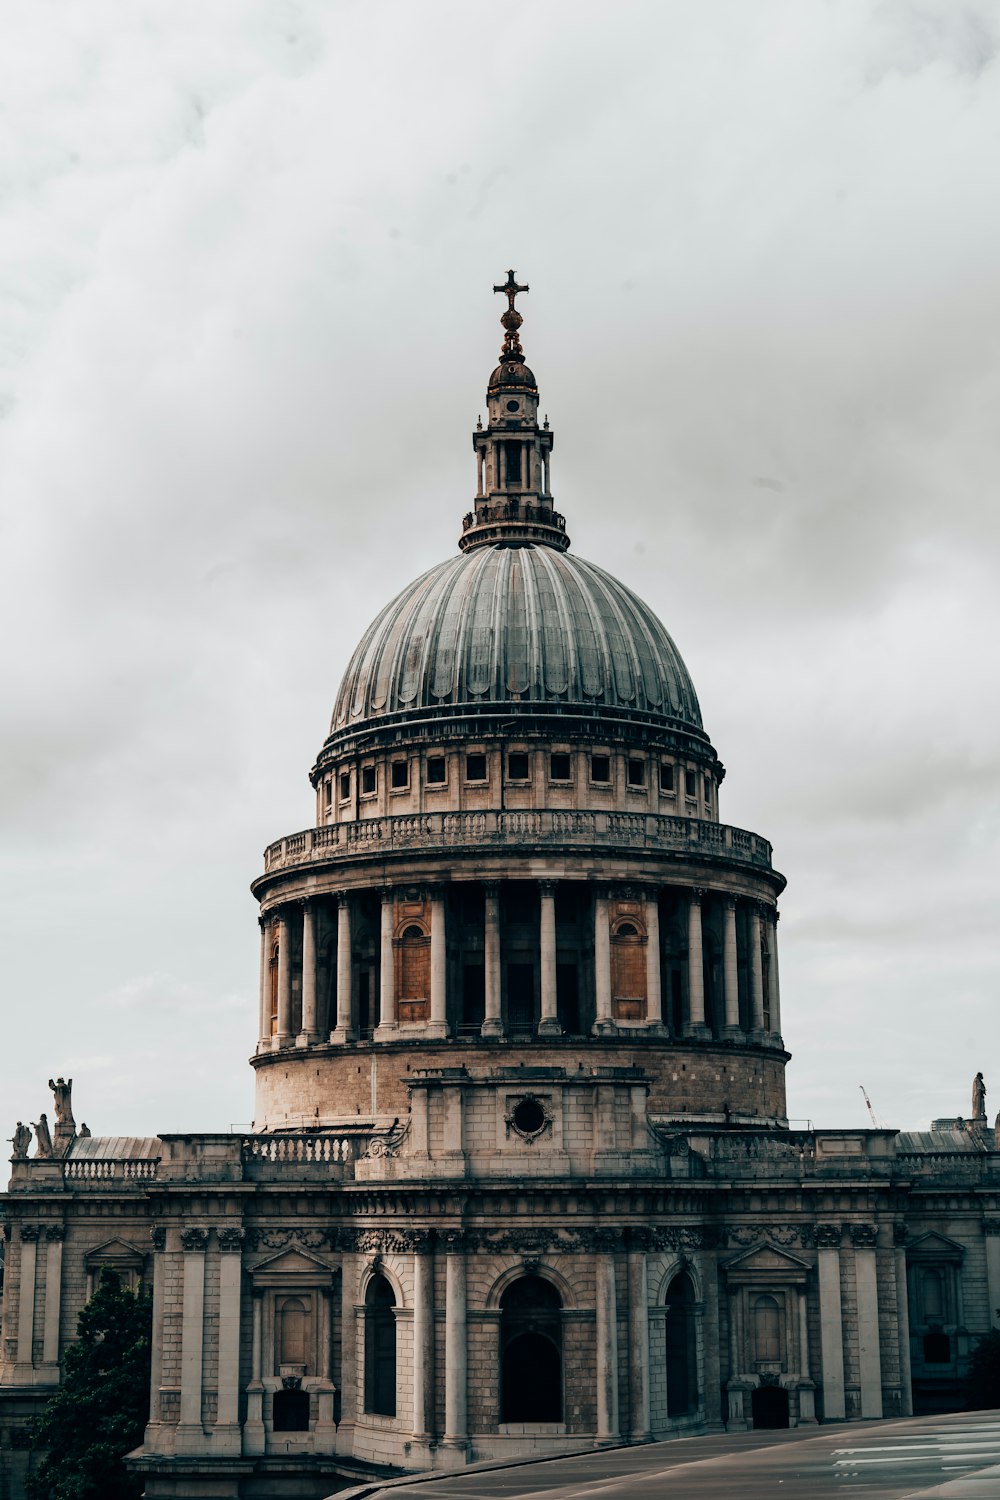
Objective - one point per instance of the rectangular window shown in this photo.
(517, 766)
(637, 773)
(560, 767)
(329, 790)
(708, 791)
(345, 785)
(367, 780)
(666, 777)
(600, 769)
(690, 784)
(400, 774)
(475, 767)
(513, 454)
(436, 770)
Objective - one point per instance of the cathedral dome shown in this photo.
(522, 626)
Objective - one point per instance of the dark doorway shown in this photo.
(769, 1404)
(365, 1002)
(521, 998)
(380, 1348)
(291, 1411)
(473, 995)
(682, 1354)
(531, 1352)
(568, 998)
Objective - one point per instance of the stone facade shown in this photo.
(521, 1178)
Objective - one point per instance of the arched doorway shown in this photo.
(380, 1348)
(531, 1352)
(769, 1405)
(682, 1351)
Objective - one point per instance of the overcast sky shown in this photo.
(246, 322)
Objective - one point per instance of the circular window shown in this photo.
(512, 405)
(528, 1116)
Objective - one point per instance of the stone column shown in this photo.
(807, 1394)
(284, 1033)
(254, 1440)
(903, 1309)
(607, 1347)
(864, 1237)
(654, 998)
(226, 1435)
(264, 1027)
(423, 1338)
(730, 973)
(190, 1433)
(548, 1024)
(438, 1024)
(638, 1336)
(158, 1236)
(696, 968)
(756, 974)
(387, 1022)
(493, 1022)
(831, 1330)
(54, 1235)
(309, 1031)
(346, 1029)
(602, 964)
(456, 1420)
(26, 1297)
(775, 992)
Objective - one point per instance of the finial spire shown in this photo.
(511, 320)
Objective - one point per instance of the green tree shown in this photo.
(983, 1380)
(99, 1412)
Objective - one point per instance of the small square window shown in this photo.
(666, 777)
(367, 780)
(436, 775)
(345, 785)
(600, 769)
(690, 784)
(517, 766)
(560, 766)
(400, 774)
(475, 767)
(637, 773)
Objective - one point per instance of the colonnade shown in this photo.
(294, 927)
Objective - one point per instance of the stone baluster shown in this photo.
(654, 994)
(283, 1036)
(346, 1029)
(602, 964)
(456, 1419)
(309, 1031)
(548, 1024)
(387, 1021)
(493, 1021)
(831, 1330)
(438, 1026)
(756, 973)
(730, 971)
(190, 1433)
(226, 1436)
(696, 968)
(264, 1018)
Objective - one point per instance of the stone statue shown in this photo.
(62, 1092)
(43, 1140)
(21, 1140)
(84, 1130)
(978, 1098)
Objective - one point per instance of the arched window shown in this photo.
(290, 1411)
(380, 1348)
(682, 1354)
(628, 972)
(272, 978)
(767, 1329)
(293, 1324)
(413, 974)
(531, 1352)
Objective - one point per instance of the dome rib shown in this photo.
(515, 625)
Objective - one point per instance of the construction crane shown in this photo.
(879, 1124)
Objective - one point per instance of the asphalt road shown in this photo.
(950, 1458)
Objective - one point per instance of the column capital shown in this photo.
(864, 1236)
(455, 1241)
(639, 1238)
(900, 1233)
(729, 901)
(343, 899)
(231, 1239)
(304, 903)
(30, 1233)
(828, 1236)
(387, 895)
(492, 887)
(54, 1232)
(158, 1235)
(194, 1239)
(697, 894)
(262, 920)
(547, 887)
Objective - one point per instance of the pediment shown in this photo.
(766, 1262)
(115, 1253)
(934, 1246)
(294, 1261)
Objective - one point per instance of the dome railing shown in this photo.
(653, 832)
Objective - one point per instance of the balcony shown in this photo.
(652, 833)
